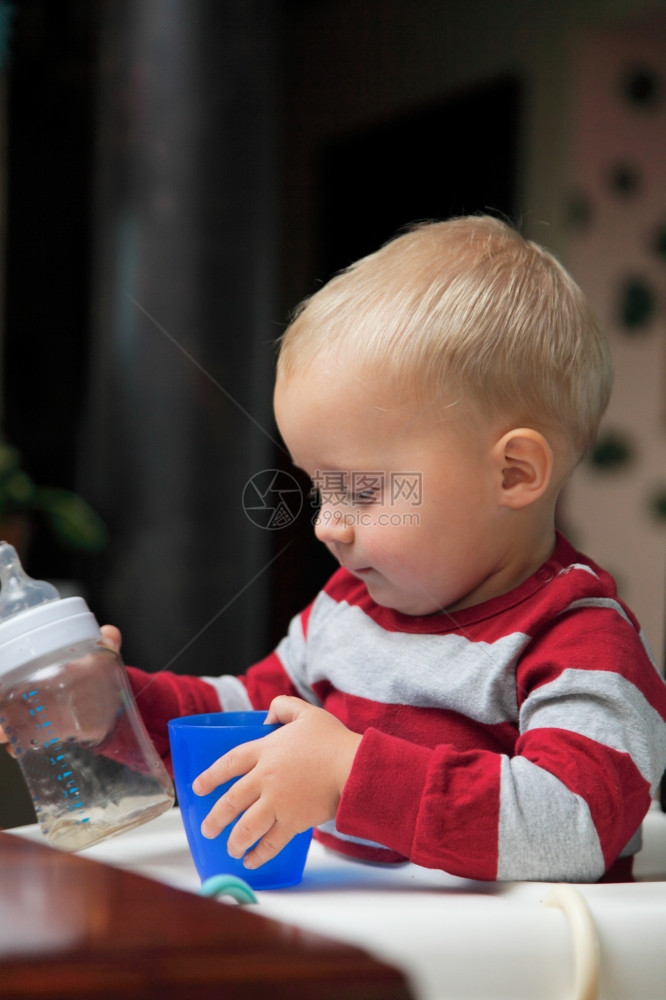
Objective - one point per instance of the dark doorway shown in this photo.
(456, 157)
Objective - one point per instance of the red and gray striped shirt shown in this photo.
(521, 738)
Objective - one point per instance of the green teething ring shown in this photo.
(228, 885)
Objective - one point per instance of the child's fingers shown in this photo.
(233, 764)
(112, 636)
(285, 708)
(237, 800)
(257, 822)
(268, 847)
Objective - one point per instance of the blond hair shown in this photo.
(466, 310)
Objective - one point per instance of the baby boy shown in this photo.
(467, 691)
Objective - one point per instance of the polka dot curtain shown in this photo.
(615, 213)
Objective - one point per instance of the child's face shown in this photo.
(408, 495)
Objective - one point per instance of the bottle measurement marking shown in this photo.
(57, 756)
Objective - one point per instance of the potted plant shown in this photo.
(71, 519)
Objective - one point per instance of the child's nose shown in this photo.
(334, 524)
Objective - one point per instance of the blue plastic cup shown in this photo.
(196, 742)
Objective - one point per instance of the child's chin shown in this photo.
(403, 604)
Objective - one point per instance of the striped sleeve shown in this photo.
(282, 672)
(570, 798)
(592, 745)
(163, 696)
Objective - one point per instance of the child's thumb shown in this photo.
(284, 709)
(112, 636)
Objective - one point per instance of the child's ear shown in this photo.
(524, 461)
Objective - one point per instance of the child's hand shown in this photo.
(111, 636)
(292, 780)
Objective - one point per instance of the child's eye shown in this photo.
(364, 497)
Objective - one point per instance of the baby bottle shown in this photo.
(68, 711)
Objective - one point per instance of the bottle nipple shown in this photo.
(18, 591)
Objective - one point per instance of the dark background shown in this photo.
(94, 384)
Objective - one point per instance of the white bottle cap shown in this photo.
(44, 629)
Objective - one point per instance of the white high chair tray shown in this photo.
(455, 938)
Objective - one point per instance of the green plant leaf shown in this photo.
(9, 458)
(73, 521)
(18, 492)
